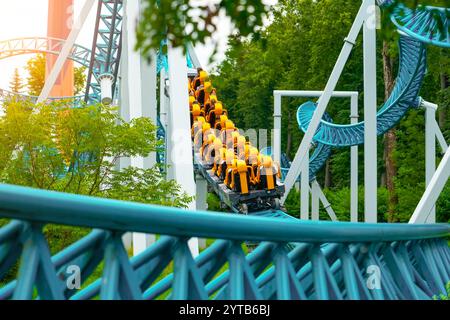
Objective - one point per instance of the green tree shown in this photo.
(36, 76)
(183, 21)
(16, 84)
(56, 147)
(298, 51)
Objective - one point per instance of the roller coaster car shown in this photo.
(244, 180)
(268, 173)
(238, 178)
(253, 200)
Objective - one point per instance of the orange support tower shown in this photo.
(59, 26)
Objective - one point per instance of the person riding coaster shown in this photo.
(221, 123)
(201, 136)
(226, 132)
(268, 173)
(219, 159)
(196, 112)
(203, 92)
(213, 116)
(239, 146)
(197, 126)
(191, 101)
(211, 151)
(237, 178)
(244, 152)
(253, 163)
(207, 147)
(199, 78)
(211, 101)
(225, 164)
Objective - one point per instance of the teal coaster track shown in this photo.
(418, 27)
(427, 24)
(404, 96)
(294, 259)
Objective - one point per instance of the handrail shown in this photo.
(42, 206)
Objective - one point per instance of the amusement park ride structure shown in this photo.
(120, 75)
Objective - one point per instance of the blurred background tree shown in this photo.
(16, 84)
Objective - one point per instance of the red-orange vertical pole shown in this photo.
(59, 26)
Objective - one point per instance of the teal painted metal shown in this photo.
(427, 24)
(328, 261)
(161, 150)
(107, 46)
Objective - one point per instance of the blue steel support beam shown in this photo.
(339, 251)
(106, 46)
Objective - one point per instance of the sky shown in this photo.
(28, 18)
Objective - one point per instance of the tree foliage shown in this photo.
(77, 150)
(298, 51)
(183, 21)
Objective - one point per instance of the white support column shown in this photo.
(148, 96)
(315, 202)
(430, 151)
(180, 135)
(65, 51)
(201, 200)
(276, 152)
(124, 111)
(354, 164)
(304, 189)
(370, 114)
(324, 99)
(137, 96)
(433, 190)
